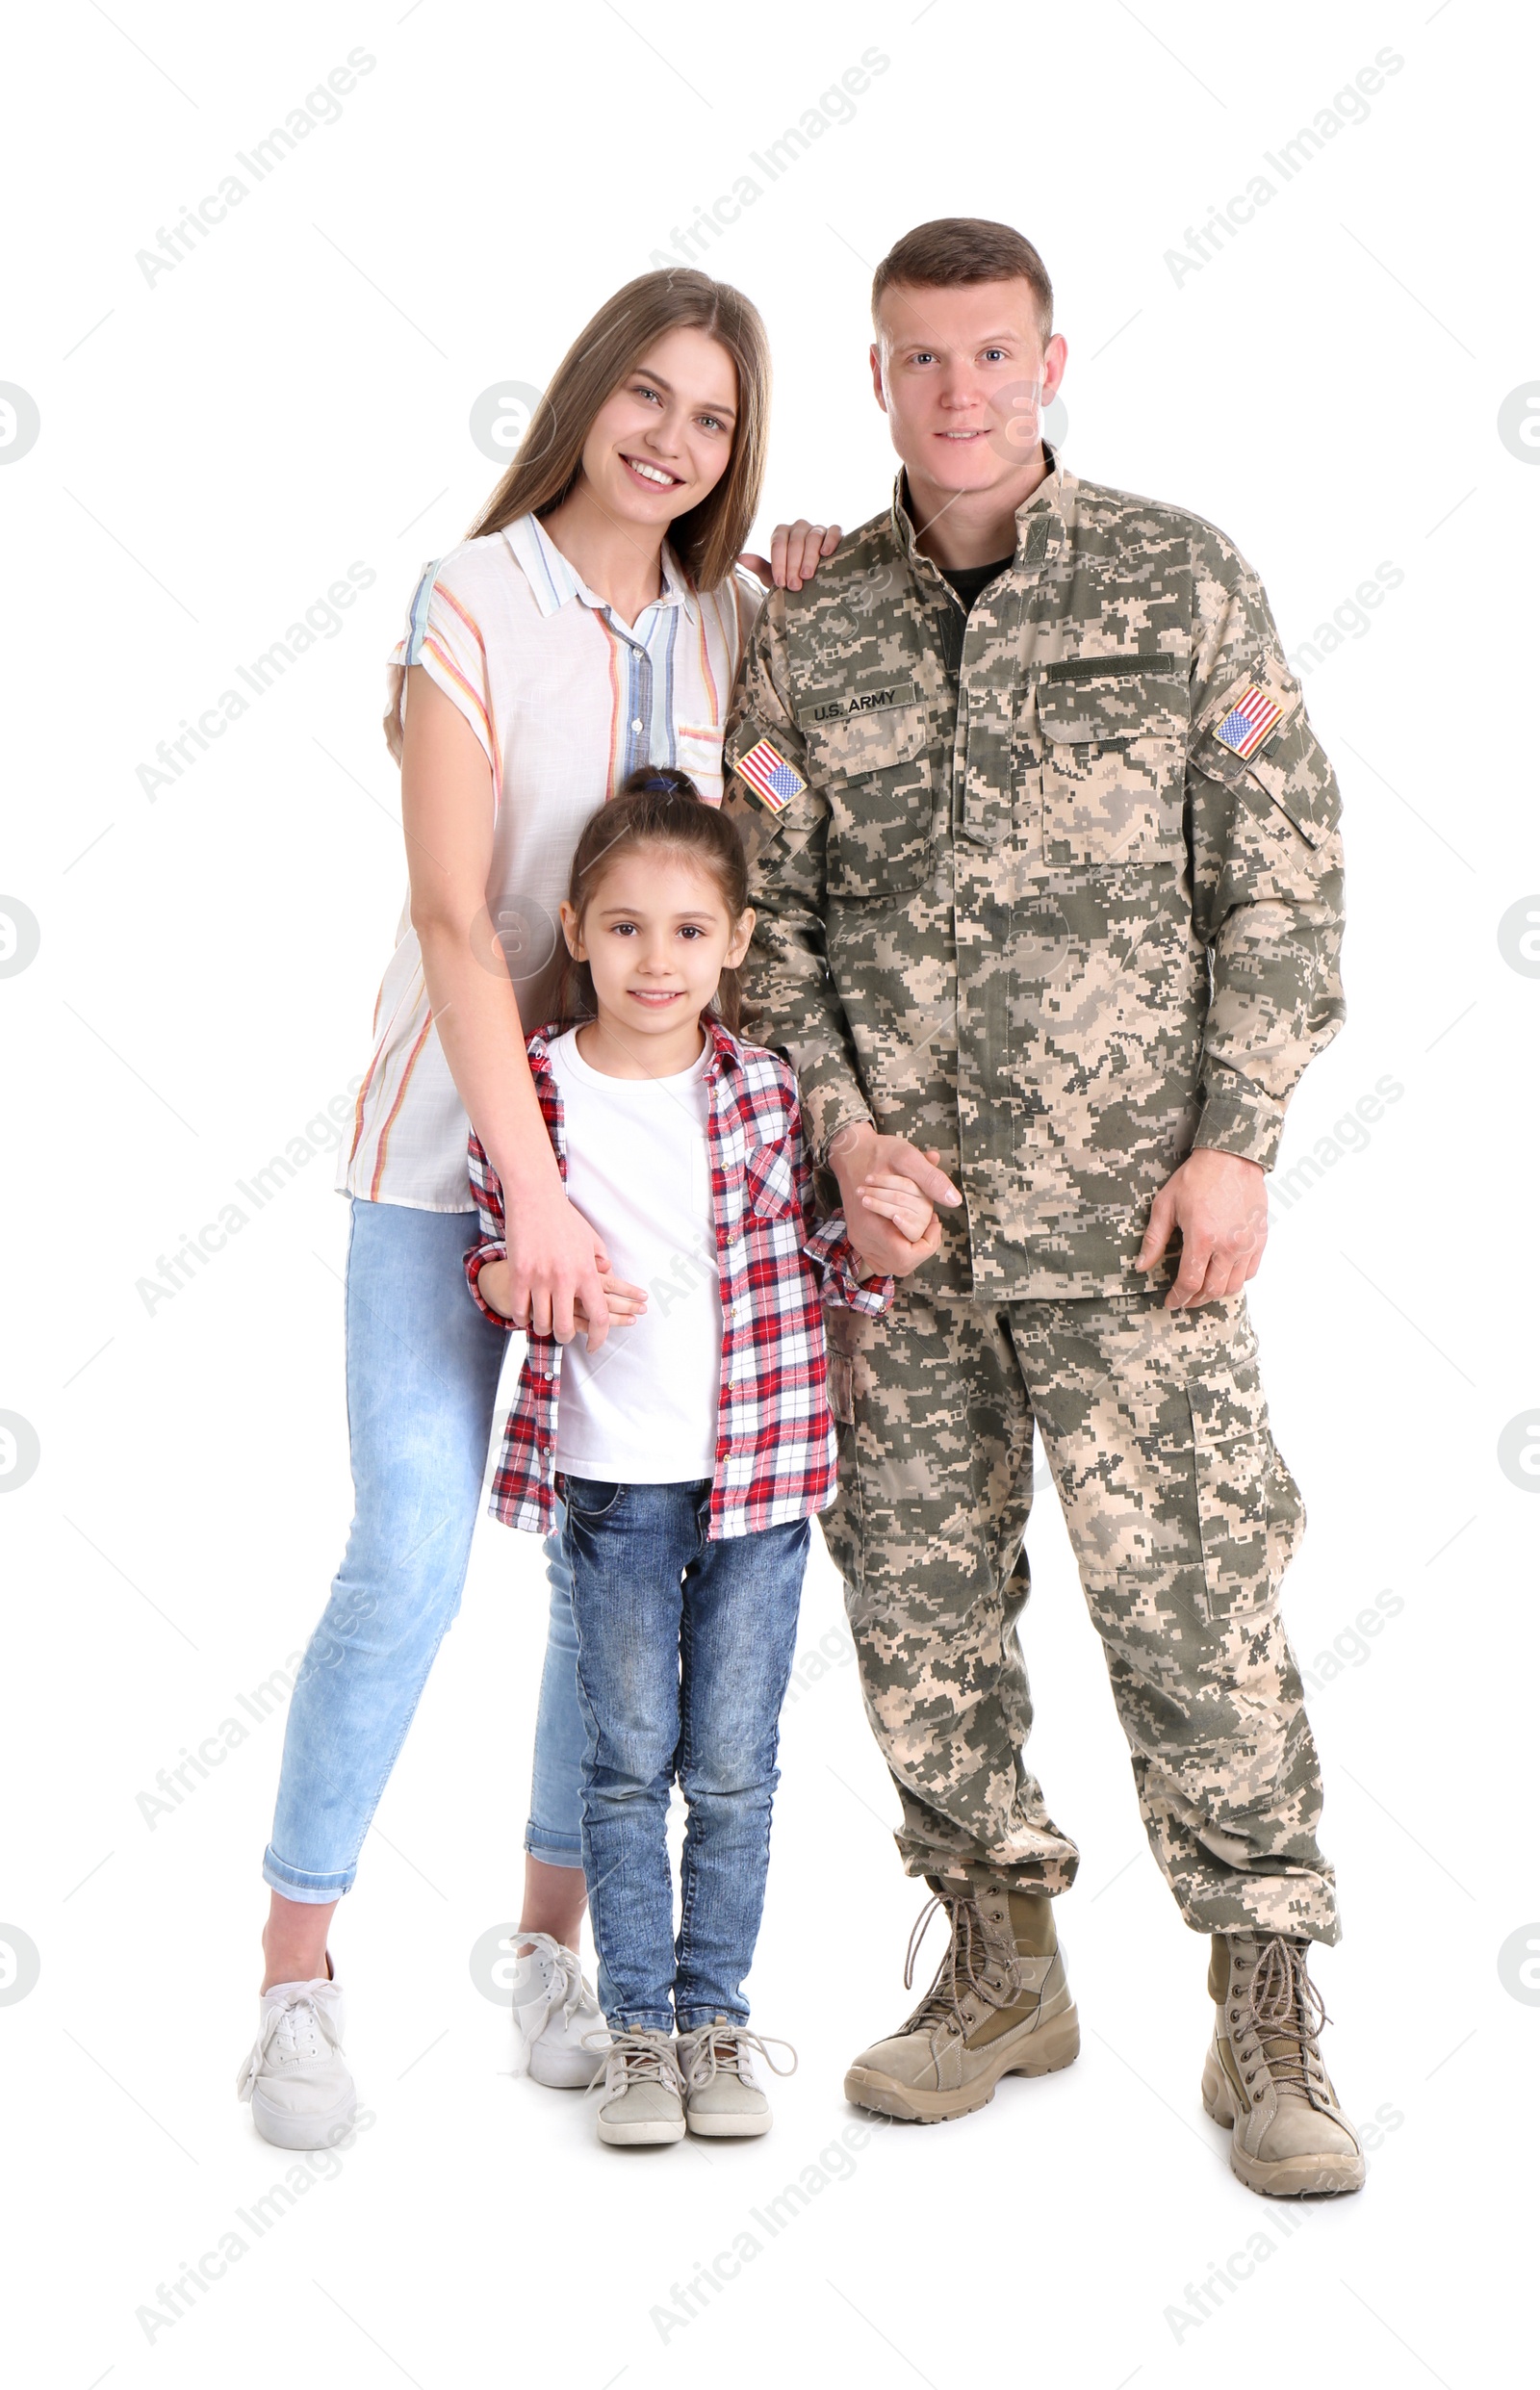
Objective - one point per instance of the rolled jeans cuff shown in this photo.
(553, 1850)
(294, 1884)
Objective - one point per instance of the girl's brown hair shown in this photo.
(655, 807)
(708, 538)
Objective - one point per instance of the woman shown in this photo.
(564, 644)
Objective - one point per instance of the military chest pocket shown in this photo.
(1114, 763)
(878, 772)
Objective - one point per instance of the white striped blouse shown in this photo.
(565, 698)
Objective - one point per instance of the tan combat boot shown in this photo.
(999, 2005)
(1263, 2075)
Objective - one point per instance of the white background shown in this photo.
(215, 448)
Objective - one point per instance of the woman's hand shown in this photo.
(796, 551)
(624, 1302)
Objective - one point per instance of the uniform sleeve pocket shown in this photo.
(771, 1188)
(1286, 768)
(1114, 753)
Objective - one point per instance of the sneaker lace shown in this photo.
(970, 1963)
(565, 1988)
(1287, 2012)
(301, 2028)
(644, 2058)
(720, 2048)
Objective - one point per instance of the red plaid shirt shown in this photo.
(775, 1438)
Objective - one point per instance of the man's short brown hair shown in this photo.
(964, 248)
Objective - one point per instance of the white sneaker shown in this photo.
(722, 2100)
(302, 2094)
(553, 2009)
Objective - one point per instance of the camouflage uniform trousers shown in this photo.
(1182, 1516)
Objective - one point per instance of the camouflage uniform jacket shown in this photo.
(1028, 907)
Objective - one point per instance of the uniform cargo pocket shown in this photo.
(1239, 1482)
(1113, 759)
(878, 771)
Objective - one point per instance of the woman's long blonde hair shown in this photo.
(705, 541)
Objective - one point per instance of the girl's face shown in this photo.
(663, 441)
(657, 935)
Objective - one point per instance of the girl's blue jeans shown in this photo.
(684, 1648)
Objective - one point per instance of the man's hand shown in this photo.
(859, 1158)
(900, 1202)
(1220, 1204)
(796, 551)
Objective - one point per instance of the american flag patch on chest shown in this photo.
(1251, 719)
(773, 780)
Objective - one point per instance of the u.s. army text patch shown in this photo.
(829, 706)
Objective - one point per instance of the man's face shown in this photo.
(963, 377)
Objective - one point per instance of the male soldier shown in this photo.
(1048, 883)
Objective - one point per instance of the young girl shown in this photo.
(691, 1450)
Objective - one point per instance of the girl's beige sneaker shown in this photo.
(722, 2099)
(644, 2092)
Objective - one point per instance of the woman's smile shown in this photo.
(653, 476)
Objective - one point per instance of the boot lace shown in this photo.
(1284, 2009)
(717, 2050)
(970, 1965)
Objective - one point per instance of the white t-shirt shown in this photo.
(642, 1410)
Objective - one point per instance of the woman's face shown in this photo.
(664, 440)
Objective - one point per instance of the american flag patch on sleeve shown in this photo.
(773, 780)
(1251, 719)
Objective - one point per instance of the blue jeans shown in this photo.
(422, 1369)
(684, 1648)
